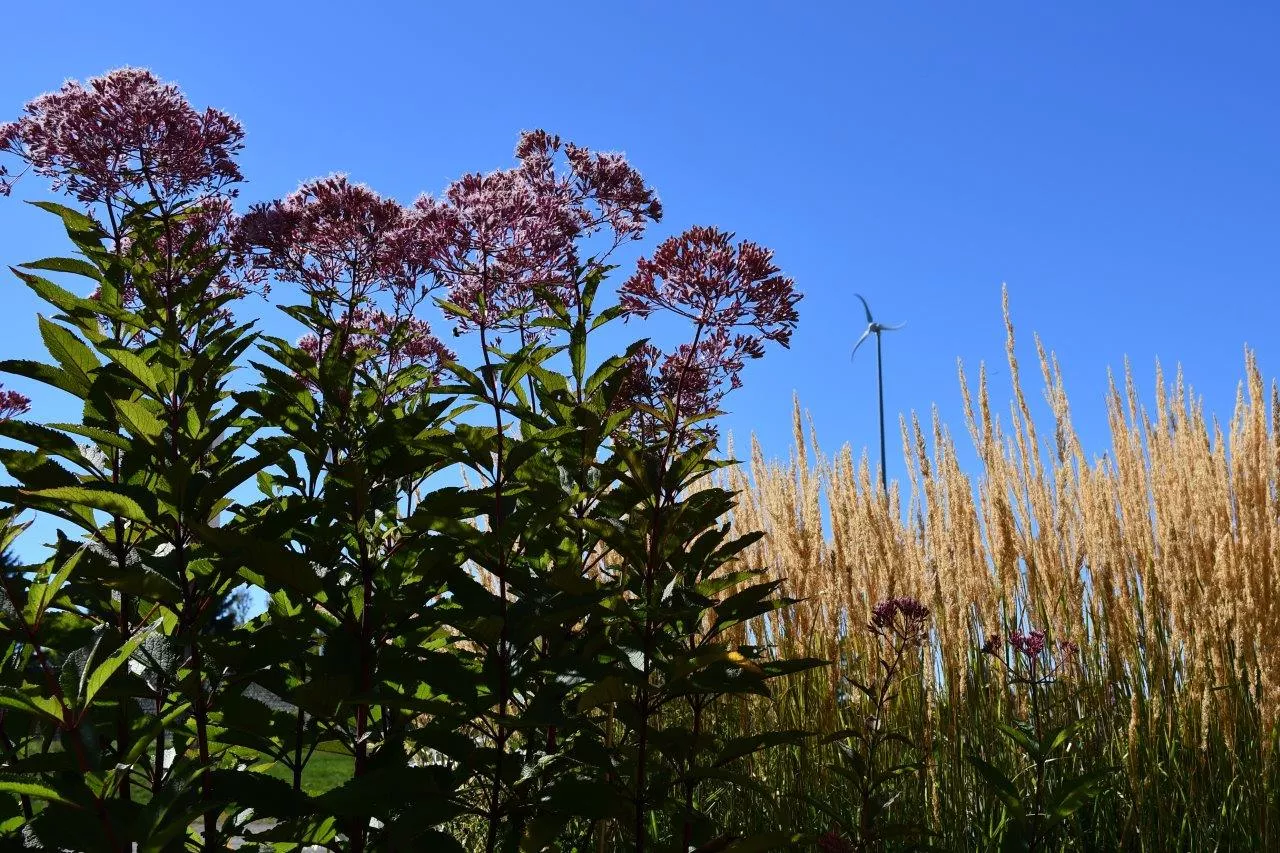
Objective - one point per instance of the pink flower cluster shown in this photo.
(13, 404)
(733, 294)
(125, 141)
(341, 242)
(703, 276)
(489, 240)
(496, 243)
(903, 617)
(505, 233)
(1030, 644)
(122, 139)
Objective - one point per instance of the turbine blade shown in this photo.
(865, 335)
(865, 307)
(892, 328)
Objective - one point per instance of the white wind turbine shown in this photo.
(874, 328)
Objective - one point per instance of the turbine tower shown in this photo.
(876, 328)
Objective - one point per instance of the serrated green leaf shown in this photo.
(33, 786)
(68, 350)
(139, 419)
(103, 671)
(132, 364)
(99, 497)
(75, 266)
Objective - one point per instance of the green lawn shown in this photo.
(324, 772)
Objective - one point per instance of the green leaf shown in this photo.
(103, 671)
(73, 220)
(741, 747)
(578, 349)
(1074, 793)
(424, 787)
(606, 691)
(43, 438)
(269, 559)
(1003, 786)
(154, 729)
(75, 266)
(1029, 745)
(68, 350)
(1058, 737)
(72, 383)
(11, 697)
(139, 419)
(132, 364)
(99, 497)
(39, 598)
(32, 786)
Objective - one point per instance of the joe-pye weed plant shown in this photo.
(523, 661)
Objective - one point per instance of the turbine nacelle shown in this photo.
(873, 328)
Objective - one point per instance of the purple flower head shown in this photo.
(735, 296)
(904, 617)
(508, 232)
(125, 138)
(693, 378)
(1029, 644)
(340, 242)
(12, 404)
(701, 275)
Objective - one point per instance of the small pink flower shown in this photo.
(13, 404)
(1029, 644)
(904, 617)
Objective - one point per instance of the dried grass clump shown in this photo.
(1161, 558)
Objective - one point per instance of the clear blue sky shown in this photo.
(1114, 163)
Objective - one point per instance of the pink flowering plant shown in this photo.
(734, 298)
(149, 352)
(875, 759)
(1039, 799)
(507, 658)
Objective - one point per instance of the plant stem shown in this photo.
(504, 641)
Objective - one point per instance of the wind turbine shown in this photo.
(874, 328)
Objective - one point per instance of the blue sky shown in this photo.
(1114, 163)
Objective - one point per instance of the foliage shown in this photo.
(517, 658)
(516, 601)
